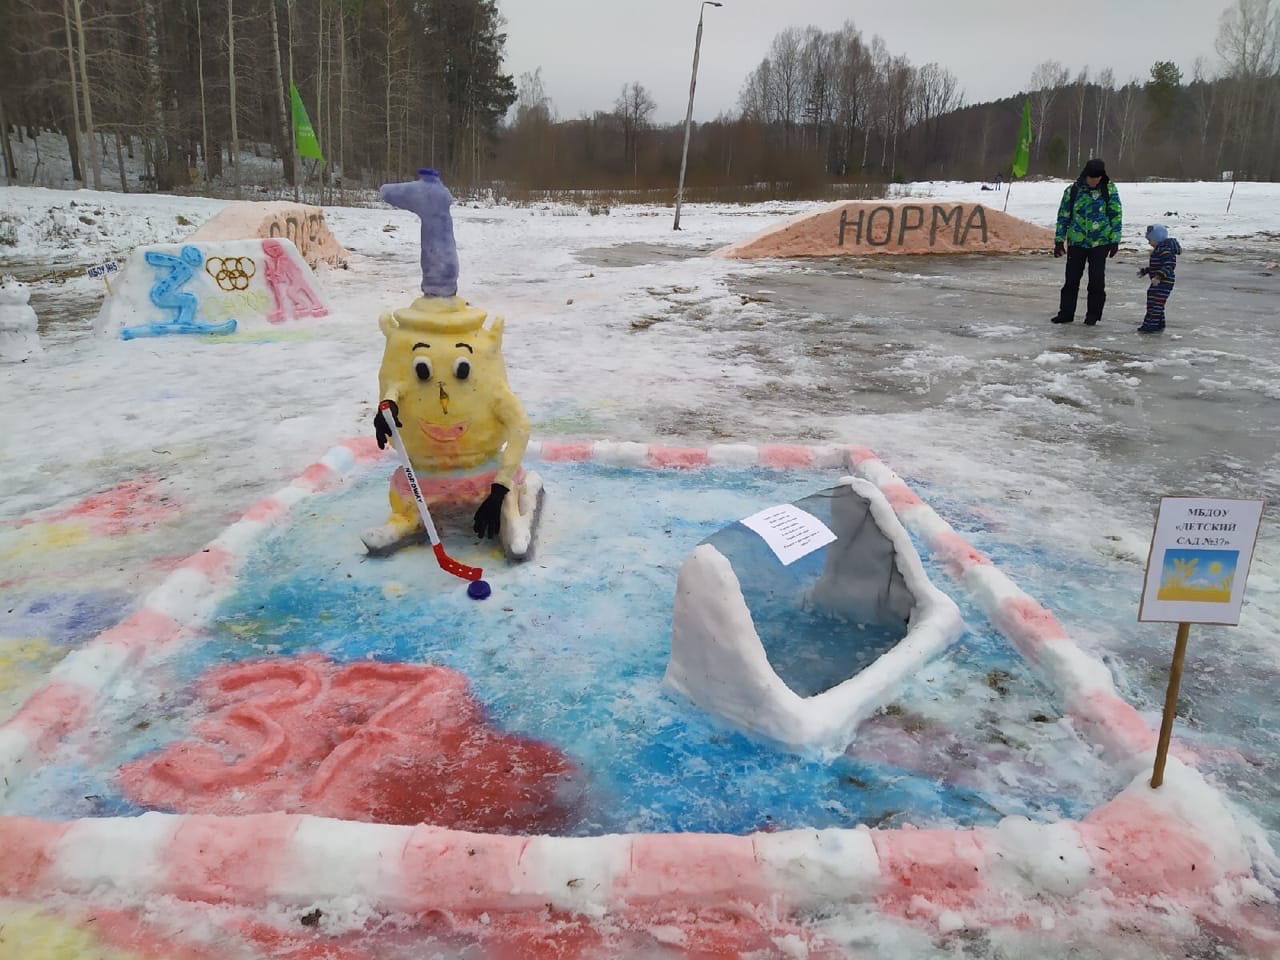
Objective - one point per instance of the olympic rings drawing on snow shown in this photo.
(231, 273)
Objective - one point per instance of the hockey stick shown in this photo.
(447, 563)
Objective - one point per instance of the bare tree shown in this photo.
(1248, 35)
(881, 120)
(1046, 80)
(10, 167)
(1080, 95)
(284, 98)
(158, 134)
(785, 85)
(84, 91)
(342, 91)
(633, 108)
(1128, 103)
(1105, 88)
(531, 127)
(817, 78)
(851, 91)
(936, 93)
(204, 119)
(1204, 95)
(899, 87)
(73, 140)
(231, 80)
(753, 100)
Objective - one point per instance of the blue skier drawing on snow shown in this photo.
(167, 294)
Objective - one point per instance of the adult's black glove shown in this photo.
(489, 515)
(1113, 250)
(1058, 248)
(380, 428)
(1142, 271)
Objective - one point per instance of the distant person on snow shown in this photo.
(1089, 222)
(999, 181)
(1164, 260)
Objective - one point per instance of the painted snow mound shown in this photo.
(870, 577)
(896, 226)
(304, 225)
(219, 287)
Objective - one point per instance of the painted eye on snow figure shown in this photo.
(462, 368)
(422, 367)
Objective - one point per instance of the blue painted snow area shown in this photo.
(571, 649)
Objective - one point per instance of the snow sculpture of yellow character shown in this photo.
(443, 374)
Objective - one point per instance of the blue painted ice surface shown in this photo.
(571, 649)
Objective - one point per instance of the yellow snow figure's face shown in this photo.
(446, 371)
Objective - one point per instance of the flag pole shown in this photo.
(1022, 152)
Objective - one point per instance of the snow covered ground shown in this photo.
(1048, 446)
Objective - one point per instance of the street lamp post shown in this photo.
(688, 117)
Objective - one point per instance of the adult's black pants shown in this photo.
(1077, 258)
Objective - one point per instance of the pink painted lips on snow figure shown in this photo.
(442, 434)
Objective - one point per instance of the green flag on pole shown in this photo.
(304, 135)
(1022, 152)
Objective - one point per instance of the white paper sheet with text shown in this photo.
(790, 532)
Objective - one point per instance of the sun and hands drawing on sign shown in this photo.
(1200, 554)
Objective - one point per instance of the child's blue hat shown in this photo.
(1157, 232)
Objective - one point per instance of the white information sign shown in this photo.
(790, 532)
(1200, 555)
(103, 269)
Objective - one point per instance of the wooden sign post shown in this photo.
(1170, 703)
(1201, 550)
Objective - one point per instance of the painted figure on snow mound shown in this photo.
(167, 293)
(443, 373)
(290, 291)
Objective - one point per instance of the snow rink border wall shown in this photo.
(1184, 845)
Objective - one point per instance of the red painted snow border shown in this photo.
(1081, 679)
(1182, 849)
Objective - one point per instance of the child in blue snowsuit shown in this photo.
(1164, 260)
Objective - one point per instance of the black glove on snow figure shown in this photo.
(490, 513)
(1113, 250)
(380, 428)
(1058, 248)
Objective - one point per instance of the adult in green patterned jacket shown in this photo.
(1088, 232)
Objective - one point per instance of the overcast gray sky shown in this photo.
(588, 49)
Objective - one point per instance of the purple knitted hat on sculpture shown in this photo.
(429, 198)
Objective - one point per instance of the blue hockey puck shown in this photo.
(478, 589)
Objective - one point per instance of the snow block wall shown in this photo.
(903, 226)
(303, 225)
(218, 287)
